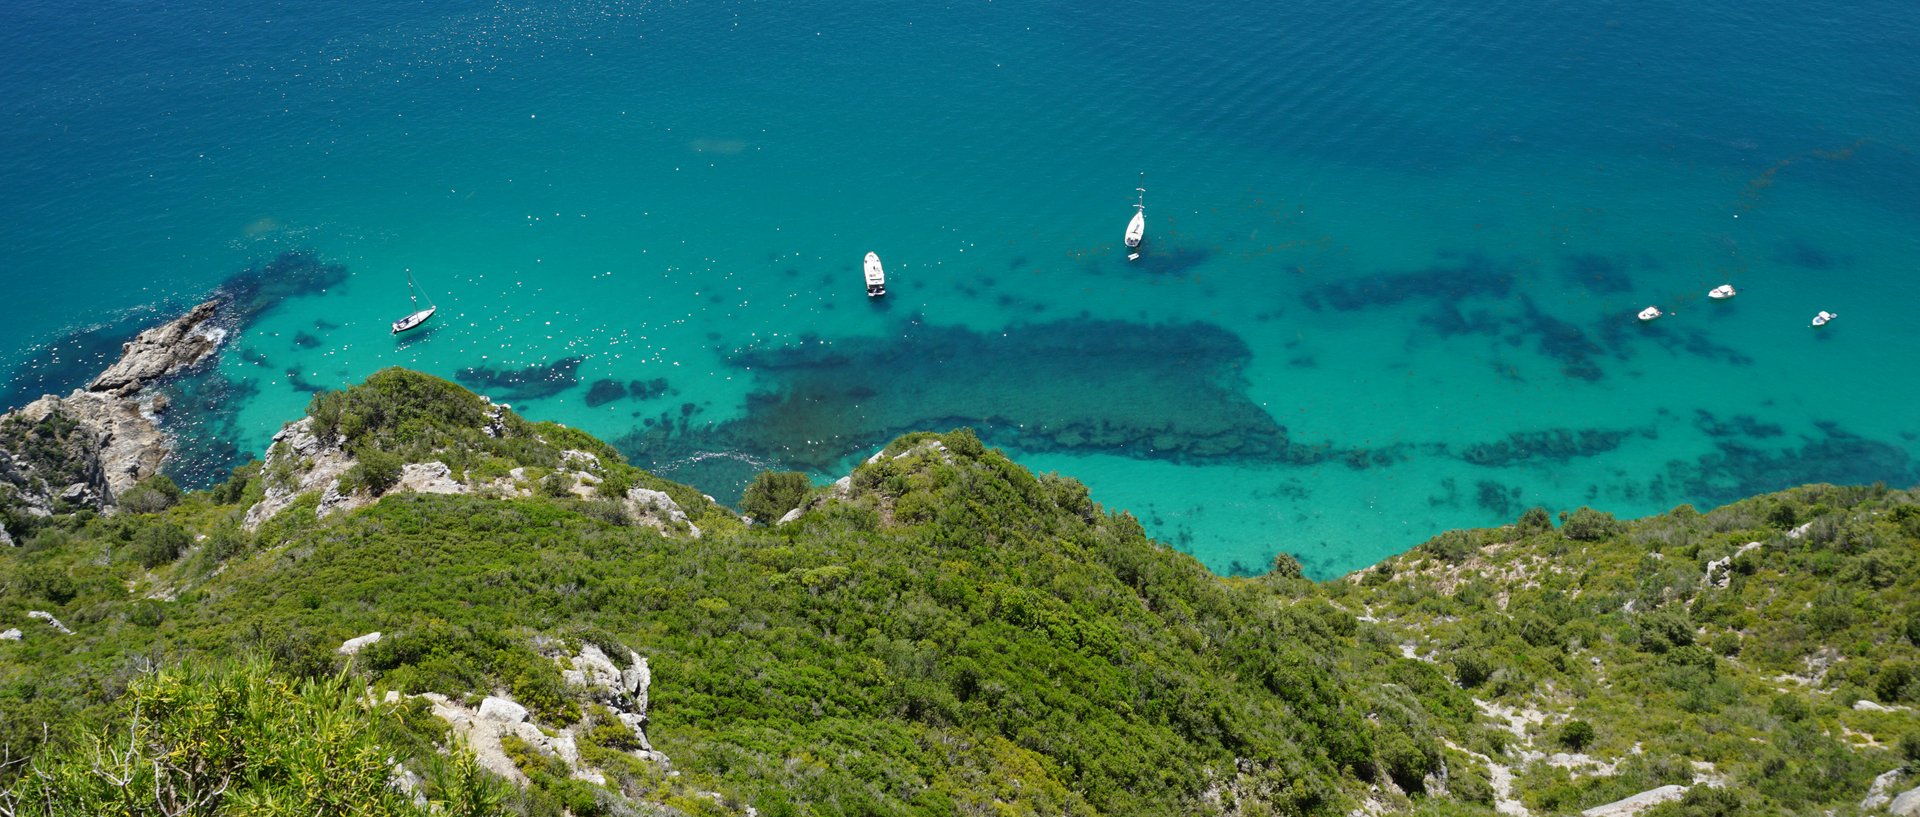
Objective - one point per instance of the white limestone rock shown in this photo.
(353, 646)
(50, 620)
(11, 634)
(502, 710)
(657, 510)
(315, 464)
(1637, 803)
(637, 677)
(428, 478)
(1880, 793)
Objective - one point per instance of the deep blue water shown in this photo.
(1395, 249)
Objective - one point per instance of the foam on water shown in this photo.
(1394, 253)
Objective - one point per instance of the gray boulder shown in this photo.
(1907, 804)
(502, 710)
(1637, 803)
(353, 646)
(1880, 793)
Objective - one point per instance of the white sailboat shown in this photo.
(876, 276)
(419, 316)
(1137, 228)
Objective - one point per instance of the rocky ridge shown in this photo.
(85, 449)
(301, 461)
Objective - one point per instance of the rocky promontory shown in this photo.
(85, 449)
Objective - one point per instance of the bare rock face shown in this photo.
(299, 461)
(92, 445)
(163, 351)
(658, 510)
(80, 450)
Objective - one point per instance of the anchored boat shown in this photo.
(1722, 292)
(876, 277)
(1824, 317)
(1650, 313)
(419, 315)
(1137, 228)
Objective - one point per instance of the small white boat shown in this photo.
(876, 277)
(419, 316)
(1824, 317)
(413, 320)
(1722, 292)
(1650, 313)
(1137, 228)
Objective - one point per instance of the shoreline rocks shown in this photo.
(85, 449)
(163, 351)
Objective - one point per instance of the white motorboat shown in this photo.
(1137, 228)
(1650, 313)
(876, 277)
(1824, 318)
(1722, 292)
(418, 316)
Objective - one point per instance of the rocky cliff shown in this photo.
(85, 449)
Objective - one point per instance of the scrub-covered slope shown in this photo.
(944, 632)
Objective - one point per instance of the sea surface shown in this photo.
(1394, 253)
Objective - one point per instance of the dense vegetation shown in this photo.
(947, 634)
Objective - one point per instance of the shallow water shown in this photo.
(1394, 249)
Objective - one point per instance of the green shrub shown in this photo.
(159, 543)
(1471, 668)
(1576, 735)
(45, 581)
(772, 494)
(1897, 681)
(151, 495)
(375, 470)
(1451, 546)
(1286, 566)
(558, 485)
(239, 739)
(1535, 520)
(1658, 631)
(1588, 525)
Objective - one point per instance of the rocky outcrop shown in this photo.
(297, 462)
(125, 442)
(163, 352)
(1637, 803)
(1906, 805)
(623, 691)
(1881, 792)
(85, 449)
(353, 646)
(657, 510)
(50, 620)
(499, 717)
(11, 634)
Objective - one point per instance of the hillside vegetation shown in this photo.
(941, 633)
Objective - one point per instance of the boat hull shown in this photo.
(414, 320)
(876, 276)
(1137, 229)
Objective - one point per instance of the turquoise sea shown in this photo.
(1395, 248)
